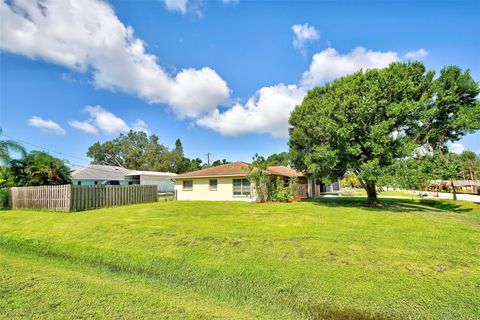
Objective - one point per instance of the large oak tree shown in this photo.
(366, 122)
(137, 151)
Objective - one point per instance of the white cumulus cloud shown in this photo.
(106, 121)
(457, 148)
(176, 5)
(329, 64)
(140, 125)
(84, 126)
(195, 7)
(303, 34)
(415, 55)
(269, 110)
(100, 120)
(87, 36)
(47, 125)
(191, 93)
(190, 6)
(266, 112)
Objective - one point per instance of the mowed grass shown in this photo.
(386, 193)
(326, 259)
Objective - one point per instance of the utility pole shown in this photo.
(208, 158)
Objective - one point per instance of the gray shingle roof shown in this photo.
(99, 172)
(150, 173)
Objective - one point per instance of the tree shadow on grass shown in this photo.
(396, 205)
(445, 205)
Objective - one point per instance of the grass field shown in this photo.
(327, 259)
(386, 193)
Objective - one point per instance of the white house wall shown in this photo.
(201, 190)
(163, 184)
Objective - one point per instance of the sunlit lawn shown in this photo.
(327, 259)
(386, 193)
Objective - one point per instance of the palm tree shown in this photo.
(7, 146)
(39, 169)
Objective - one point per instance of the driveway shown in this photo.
(431, 195)
(464, 197)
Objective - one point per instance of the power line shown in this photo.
(44, 148)
(53, 151)
(61, 153)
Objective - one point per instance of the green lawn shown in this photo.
(386, 193)
(326, 259)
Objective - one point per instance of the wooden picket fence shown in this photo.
(44, 197)
(92, 197)
(77, 198)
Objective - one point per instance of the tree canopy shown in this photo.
(469, 166)
(137, 151)
(368, 121)
(278, 159)
(219, 162)
(7, 146)
(38, 168)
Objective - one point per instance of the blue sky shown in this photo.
(220, 75)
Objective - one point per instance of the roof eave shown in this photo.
(212, 176)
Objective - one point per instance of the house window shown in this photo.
(213, 184)
(241, 187)
(79, 183)
(135, 179)
(96, 182)
(187, 185)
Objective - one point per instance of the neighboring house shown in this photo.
(112, 175)
(163, 180)
(227, 182)
(95, 174)
(316, 188)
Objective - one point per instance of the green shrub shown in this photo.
(3, 198)
(281, 192)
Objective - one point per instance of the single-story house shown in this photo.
(95, 174)
(112, 175)
(316, 187)
(163, 180)
(229, 182)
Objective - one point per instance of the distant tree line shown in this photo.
(417, 171)
(137, 151)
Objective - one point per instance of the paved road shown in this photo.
(464, 197)
(432, 195)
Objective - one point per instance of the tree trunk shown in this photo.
(371, 193)
(454, 191)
